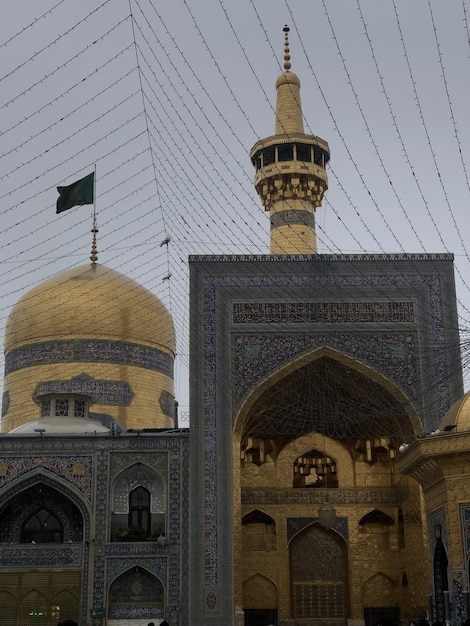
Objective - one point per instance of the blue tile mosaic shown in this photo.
(257, 354)
(76, 470)
(101, 391)
(5, 402)
(88, 350)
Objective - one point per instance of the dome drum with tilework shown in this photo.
(93, 331)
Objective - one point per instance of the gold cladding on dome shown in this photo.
(91, 301)
(91, 323)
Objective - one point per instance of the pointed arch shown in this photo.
(259, 592)
(258, 532)
(353, 381)
(376, 517)
(138, 475)
(380, 591)
(43, 490)
(138, 501)
(43, 475)
(42, 526)
(257, 517)
(318, 574)
(40, 595)
(315, 468)
(136, 593)
(379, 530)
(65, 605)
(8, 612)
(33, 603)
(337, 450)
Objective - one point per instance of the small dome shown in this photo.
(60, 426)
(288, 78)
(457, 418)
(91, 301)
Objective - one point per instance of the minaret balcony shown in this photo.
(307, 185)
(296, 147)
(301, 170)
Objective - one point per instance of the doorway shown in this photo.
(260, 617)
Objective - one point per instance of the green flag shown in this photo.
(78, 193)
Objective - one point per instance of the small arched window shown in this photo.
(315, 469)
(42, 527)
(139, 510)
(138, 505)
(64, 406)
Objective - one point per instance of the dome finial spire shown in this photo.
(94, 230)
(287, 63)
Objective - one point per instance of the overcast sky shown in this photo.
(167, 98)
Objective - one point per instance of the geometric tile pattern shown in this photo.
(330, 312)
(101, 391)
(74, 469)
(89, 350)
(88, 464)
(236, 344)
(465, 517)
(255, 355)
(167, 403)
(292, 217)
(30, 556)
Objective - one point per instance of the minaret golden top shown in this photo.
(290, 169)
(287, 63)
(289, 117)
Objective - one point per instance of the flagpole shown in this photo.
(94, 230)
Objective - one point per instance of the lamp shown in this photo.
(326, 515)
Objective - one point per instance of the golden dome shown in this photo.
(457, 418)
(94, 331)
(90, 301)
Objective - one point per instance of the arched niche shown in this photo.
(259, 592)
(380, 591)
(258, 532)
(136, 594)
(42, 526)
(315, 468)
(338, 451)
(138, 496)
(379, 530)
(328, 392)
(33, 603)
(27, 509)
(65, 605)
(318, 575)
(376, 517)
(47, 596)
(8, 602)
(260, 600)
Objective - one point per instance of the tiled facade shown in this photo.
(82, 470)
(253, 319)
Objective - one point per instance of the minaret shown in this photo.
(291, 170)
